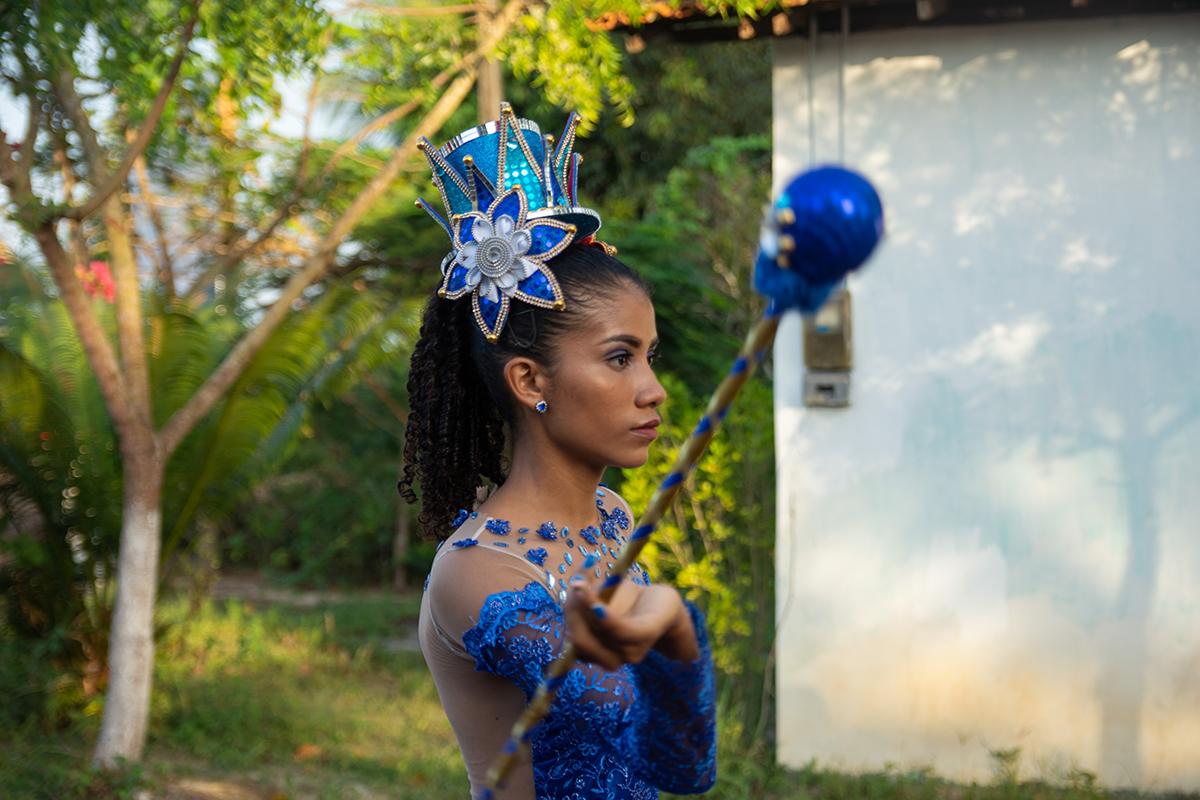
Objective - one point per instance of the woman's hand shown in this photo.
(623, 632)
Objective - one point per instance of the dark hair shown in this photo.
(458, 399)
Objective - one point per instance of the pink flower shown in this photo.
(97, 280)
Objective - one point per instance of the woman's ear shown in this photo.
(526, 380)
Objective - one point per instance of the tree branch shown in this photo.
(318, 263)
(8, 168)
(68, 98)
(166, 266)
(28, 149)
(289, 209)
(303, 186)
(114, 181)
(96, 345)
(466, 62)
(76, 235)
(401, 111)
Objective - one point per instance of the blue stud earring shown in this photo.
(540, 406)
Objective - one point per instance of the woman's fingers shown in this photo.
(580, 620)
(627, 635)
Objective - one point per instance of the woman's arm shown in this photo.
(671, 740)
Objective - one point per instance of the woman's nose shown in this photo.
(654, 394)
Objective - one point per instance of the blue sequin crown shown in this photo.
(509, 195)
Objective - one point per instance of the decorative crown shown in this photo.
(509, 195)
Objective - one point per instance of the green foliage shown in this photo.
(37, 767)
(685, 97)
(59, 491)
(306, 701)
(242, 687)
(329, 515)
(569, 63)
(60, 477)
(717, 542)
(236, 54)
(696, 247)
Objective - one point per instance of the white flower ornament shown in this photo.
(501, 256)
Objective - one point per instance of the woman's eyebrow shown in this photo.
(629, 339)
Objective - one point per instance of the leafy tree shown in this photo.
(137, 109)
(64, 179)
(60, 465)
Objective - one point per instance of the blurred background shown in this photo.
(211, 275)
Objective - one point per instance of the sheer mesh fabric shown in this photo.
(491, 621)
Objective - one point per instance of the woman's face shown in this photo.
(602, 393)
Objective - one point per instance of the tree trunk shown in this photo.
(490, 86)
(131, 640)
(203, 563)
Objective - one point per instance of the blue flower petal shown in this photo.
(538, 286)
(507, 205)
(458, 279)
(490, 311)
(465, 228)
(547, 238)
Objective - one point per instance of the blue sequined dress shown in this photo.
(492, 620)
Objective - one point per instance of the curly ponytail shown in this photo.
(458, 399)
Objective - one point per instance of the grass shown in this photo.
(281, 702)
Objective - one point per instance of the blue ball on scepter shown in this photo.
(825, 224)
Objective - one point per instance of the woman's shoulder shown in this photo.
(485, 554)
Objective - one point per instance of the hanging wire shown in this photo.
(841, 151)
(812, 110)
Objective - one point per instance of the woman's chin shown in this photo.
(634, 459)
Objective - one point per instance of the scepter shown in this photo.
(824, 225)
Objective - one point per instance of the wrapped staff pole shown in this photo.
(824, 225)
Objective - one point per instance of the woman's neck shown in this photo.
(544, 482)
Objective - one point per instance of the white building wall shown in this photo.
(998, 545)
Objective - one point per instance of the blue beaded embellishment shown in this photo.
(460, 518)
(537, 555)
(548, 530)
(499, 527)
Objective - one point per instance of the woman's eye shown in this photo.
(624, 359)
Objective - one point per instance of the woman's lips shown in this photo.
(649, 433)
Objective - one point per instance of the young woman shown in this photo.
(568, 392)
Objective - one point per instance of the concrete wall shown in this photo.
(998, 545)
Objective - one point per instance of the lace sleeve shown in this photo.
(619, 733)
(671, 737)
(499, 591)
